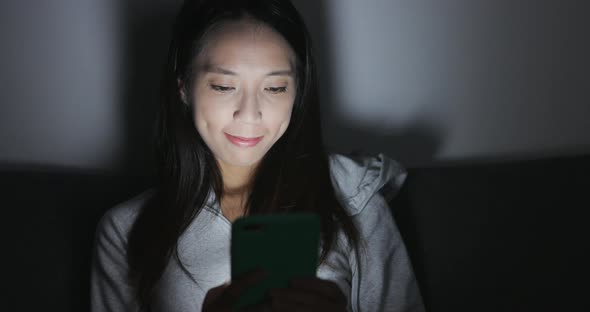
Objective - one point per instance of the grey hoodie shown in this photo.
(382, 281)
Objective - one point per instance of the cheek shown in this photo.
(208, 114)
(281, 117)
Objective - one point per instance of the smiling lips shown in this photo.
(243, 142)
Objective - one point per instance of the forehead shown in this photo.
(246, 43)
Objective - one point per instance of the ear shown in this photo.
(182, 91)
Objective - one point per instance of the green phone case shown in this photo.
(283, 245)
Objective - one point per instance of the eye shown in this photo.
(219, 88)
(276, 89)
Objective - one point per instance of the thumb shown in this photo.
(214, 293)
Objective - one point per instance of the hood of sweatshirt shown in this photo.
(357, 178)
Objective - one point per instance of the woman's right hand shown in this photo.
(223, 297)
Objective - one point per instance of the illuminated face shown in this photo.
(244, 91)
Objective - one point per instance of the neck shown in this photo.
(236, 187)
(236, 179)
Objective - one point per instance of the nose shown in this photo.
(248, 110)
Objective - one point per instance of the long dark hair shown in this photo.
(293, 175)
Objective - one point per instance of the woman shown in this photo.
(238, 134)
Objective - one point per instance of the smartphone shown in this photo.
(283, 245)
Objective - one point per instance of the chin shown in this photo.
(243, 160)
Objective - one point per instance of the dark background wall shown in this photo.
(419, 80)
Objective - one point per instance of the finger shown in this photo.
(291, 300)
(261, 307)
(214, 293)
(237, 286)
(286, 306)
(326, 288)
(296, 297)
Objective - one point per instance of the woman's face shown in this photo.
(244, 91)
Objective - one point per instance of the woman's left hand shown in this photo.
(309, 294)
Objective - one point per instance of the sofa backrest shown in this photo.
(499, 237)
(49, 219)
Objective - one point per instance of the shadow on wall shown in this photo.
(147, 27)
(414, 145)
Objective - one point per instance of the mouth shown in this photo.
(242, 141)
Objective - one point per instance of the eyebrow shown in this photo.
(209, 68)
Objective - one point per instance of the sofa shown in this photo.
(507, 236)
(482, 236)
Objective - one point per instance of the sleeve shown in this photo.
(384, 280)
(110, 290)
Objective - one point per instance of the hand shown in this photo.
(308, 294)
(223, 297)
